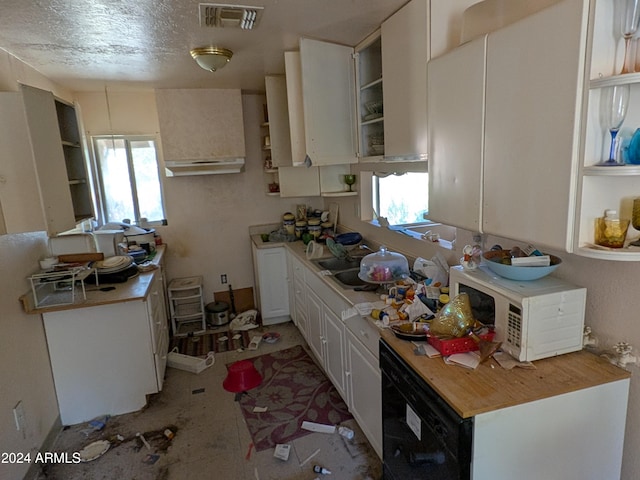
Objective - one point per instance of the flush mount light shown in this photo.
(211, 58)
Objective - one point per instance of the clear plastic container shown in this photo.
(383, 267)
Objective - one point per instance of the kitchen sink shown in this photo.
(349, 278)
(338, 264)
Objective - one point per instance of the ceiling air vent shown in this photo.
(230, 16)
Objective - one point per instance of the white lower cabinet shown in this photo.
(272, 290)
(365, 392)
(107, 358)
(346, 349)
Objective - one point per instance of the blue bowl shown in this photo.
(349, 238)
(517, 272)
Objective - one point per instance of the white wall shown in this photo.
(25, 373)
(208, 215)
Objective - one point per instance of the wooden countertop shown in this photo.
(133, 289)
(491, 387)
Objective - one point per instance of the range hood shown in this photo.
(204, 167)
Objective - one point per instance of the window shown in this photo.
(403, 198)
(129, 180)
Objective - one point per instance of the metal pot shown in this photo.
(217, 313)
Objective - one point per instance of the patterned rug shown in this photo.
(200, 345)
(293, 390)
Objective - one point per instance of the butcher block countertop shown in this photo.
(133, 289)
(491, 387)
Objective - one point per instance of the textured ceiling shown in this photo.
(86, 45)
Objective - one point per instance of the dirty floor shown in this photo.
(211, 439)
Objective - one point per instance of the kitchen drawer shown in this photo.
(365, 331)
(334, 301)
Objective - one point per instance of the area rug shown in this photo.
(294, 389)
(200, 345)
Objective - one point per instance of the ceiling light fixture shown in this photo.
(211, 58)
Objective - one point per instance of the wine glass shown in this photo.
(350, 179)
(635, 219)
(630, 21)
(613, 110)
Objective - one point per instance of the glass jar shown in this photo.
(289, 222)
(301, 227)
(611, 230)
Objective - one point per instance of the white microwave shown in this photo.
(533, 319)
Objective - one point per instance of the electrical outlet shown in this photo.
(223, 278)
(18, 415)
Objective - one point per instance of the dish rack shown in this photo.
(59, 287)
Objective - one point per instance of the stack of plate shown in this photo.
(114, 264)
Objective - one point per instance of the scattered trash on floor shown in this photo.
(346, 432)
(306, 460)
(94, 450)
(143, 440)
(150, 458)
(321, 470)
(260, 409)
(197, 391)
(245, 321)
(96, 425)
(255, 342)
(318, 427)
(271, 337)
(248, 455)
(282, 451)
(188, 362)
(169, 433)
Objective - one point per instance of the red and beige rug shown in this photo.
(294, 389)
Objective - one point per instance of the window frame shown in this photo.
(99, 181)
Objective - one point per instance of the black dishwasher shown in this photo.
(423, 437)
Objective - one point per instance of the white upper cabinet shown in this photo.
(35, 190)
(535, 78)
(328, 102)
(405, 52)
(276, 92)
(456, 85)
(524, 166)
(300, 180)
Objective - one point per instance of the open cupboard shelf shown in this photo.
(606, 187)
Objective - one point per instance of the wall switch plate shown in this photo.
(223, 278)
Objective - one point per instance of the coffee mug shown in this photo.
(397, 292)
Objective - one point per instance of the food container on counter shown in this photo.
(289, 223)
(301, 227)
(383, 267)
(314, 227)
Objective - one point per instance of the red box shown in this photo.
(457, 345)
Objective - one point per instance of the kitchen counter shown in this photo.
(133, 289)
(491, 387)
(299, 249)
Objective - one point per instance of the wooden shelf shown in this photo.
(338, 194)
